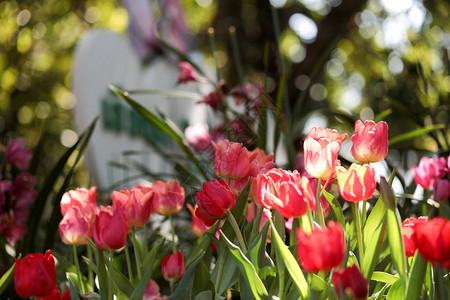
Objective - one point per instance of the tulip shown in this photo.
(198, 226)
(441, 190)
(172, 267)
(331, 134)
(352, 282)
(152, 291)
(136, 205)
(35, 275)
(321, 157)
(198, 136)
(409, 234)
(56, 295)
(429, 170)
(322, 249)
(168, 197)
(207, 220)
(357, 183)
(84, 199)
(75, 228)
(187, 73)
(370, 141)
(110, 229)
(232, 160)
(215, 199)
(18, 155)
(433, 240)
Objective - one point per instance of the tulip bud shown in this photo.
(215, 199)
(441, 190)
(110, 229)
(35, 275)
(168, 197)
(357, 183)
(352, 282)
(370, 141)
(172, 266)
(322, 249)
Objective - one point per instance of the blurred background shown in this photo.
(342, 60)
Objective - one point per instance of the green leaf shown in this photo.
(291, 263)
(36, 211)
(229, 271)
(171, 93)
(444, 209)
(6, 279)
(166, 125)
(382, 115)
(102, 274)
(394, 230)
(384, 277)
(257, 252)
(140, 289)
(248, 271)
(74, 295)
(416, 277)
(203, 244)
(414, 133)
(55, 218)
(122, 283)
(73, 278)
(336, 207)
(396, 291)
(374, 232)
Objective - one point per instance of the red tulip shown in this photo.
(74, 228)
(321, 157)
(168, 197)
(352, 282)
(215, 199)
(207, 220)
(187, 73)
(136, 205)
(84, 199)
(322, 249)
(56, 295)
(433, 240)
(110, 229)
(35, 275)
(18, 155)
(429, 170)
(370, 141)
(232, 160)
(409, 234)
(198, 226)
(172, 266)
(357, 183)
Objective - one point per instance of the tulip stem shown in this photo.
(127, 257)
(235, 226)
(319, 205)
(90, 274)
(137, 257)
(110, 269)
(77, 266)
(172, 226)
(358, 232)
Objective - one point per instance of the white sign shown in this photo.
(102, 58)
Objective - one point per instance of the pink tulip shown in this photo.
(370, 141)
(136, 205)
(172, 267)
(84, 199)
(110, 229)
(168, 198)
(441, 190)
(75, 228)
(429, 170)
(321, 157)
(232, 160)
(332, 134)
